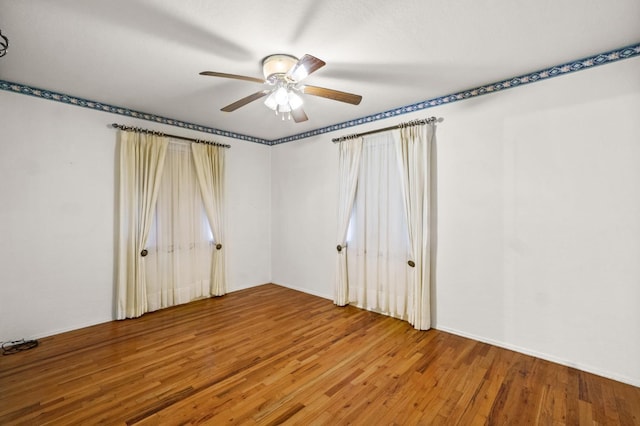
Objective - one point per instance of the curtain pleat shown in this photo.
(141, 162)
(416, 149)
(210, 169)
(348, 168)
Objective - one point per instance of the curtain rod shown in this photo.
(429, 120)
(139, 129)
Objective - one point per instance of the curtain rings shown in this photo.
(417, 122)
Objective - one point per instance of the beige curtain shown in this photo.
(180, 242)
(210, 169)
(378, 241)
(141, 163)
(349, 155)
(416, 148)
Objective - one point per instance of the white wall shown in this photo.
(539, 218)
(57, 178)
(304, 199)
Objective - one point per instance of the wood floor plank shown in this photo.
(270, 355)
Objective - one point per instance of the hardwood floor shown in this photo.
(270, 355)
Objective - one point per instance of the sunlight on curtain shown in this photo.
(378, 239)
(178, 265)
(141, 162)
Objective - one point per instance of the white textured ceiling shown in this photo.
(145, 55)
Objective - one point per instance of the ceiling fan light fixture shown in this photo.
(284, 108)
(281, 96)
(279, 64)
(271, 102)
(283, 74)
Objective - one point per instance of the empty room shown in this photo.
(320, 212)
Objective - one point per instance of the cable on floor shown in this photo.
(10, 348)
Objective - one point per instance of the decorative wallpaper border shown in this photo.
(540, 75)
(544, 74)
(73, 100)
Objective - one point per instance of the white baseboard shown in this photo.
(526, 351)
(547, 357)
(305, 290)
(244, 287)
(67, 329)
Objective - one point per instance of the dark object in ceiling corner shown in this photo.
(4, 44)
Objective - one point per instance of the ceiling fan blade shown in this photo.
(305, 66)
(336, 95)
(242, 102)
(234, 76)
(299, 115)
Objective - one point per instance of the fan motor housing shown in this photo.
(276, 65)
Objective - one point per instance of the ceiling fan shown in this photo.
(283, 74)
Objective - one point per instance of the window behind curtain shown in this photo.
(378, 244)
(180, 241)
